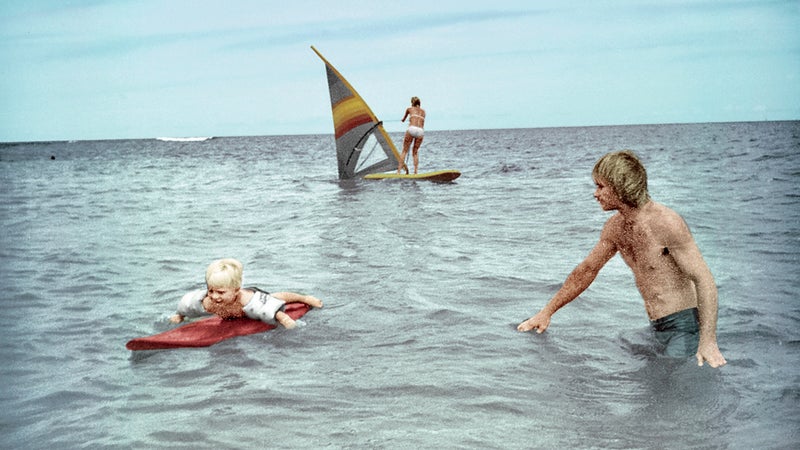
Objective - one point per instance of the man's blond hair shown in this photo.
(626, 174)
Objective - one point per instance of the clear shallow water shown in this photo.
(423, 283)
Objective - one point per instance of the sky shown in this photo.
(91, 69)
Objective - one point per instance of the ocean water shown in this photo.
(423, 286)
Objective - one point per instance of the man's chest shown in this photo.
(641, 246)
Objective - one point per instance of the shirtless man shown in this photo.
(415, 133)
(679, 292)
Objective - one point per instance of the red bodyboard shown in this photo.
(206, 332)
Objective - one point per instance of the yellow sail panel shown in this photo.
(358, 132)
(348, 114)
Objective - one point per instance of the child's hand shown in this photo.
(313, 301)
(177, 318)
(285, 320)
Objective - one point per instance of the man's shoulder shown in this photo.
(670, 226)
(613, 228)
(614, 222)
(666, 216)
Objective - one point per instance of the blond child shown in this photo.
(225, 297)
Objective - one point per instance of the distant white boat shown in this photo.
(185, 139)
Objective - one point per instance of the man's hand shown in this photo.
(540, 321)
(710, 353)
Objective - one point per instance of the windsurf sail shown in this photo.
(362, 144)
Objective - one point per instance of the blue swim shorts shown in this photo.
(678, 333)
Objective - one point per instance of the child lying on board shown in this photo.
(225, 297)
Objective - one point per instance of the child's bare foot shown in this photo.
(285, 320)
(313, 301)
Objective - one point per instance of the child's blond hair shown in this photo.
(224, 273)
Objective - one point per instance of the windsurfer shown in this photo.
(414, 134)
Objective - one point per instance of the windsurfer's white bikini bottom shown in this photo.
(416, 132)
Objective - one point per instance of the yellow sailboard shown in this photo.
(441, 176)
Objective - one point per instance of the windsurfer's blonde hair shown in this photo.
(224, 273)
(415, 101)
(626, 174)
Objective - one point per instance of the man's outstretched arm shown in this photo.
(578, 280)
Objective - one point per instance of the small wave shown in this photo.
(185, 139)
